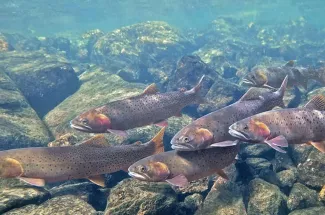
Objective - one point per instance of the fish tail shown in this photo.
(158, 142)
(196, 91)
(282, 90)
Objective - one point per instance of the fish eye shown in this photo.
(186, 139)
(84, 121)
(246, 127)
(142, 169)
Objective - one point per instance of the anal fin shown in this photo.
(33, 181)
(97, 179)
(222, 174)
(224, 144)
(320, 146)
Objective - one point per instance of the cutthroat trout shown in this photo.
(278, 128)
(211, 130)
(272, 77)
(89, 160)
(179, 168)
(148, 108)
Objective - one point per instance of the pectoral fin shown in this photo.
(97, 179)
(118, 132)
(222, 174)
(318, 145)
(179, 181)
(34, 181)
(278, 141)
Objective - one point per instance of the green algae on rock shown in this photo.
(60, 205)
(16, 197)
(19, 124)
(309, 211)
(133, 197)
(45, 80)
(265, 199)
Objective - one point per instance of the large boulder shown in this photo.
(61, 205)
(16, 197)
(133, 197)
(309, 211)
(302, 197)
(45, 80)
(19, 124)
(265, 198)
(98, 88)
(139, 47)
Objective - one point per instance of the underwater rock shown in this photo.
(61, 205)
(146, 45)
(190, 204)
(64, 140)
(302, 197)
(258, 165)
(322, 195)
(98, 88)
(299, 152)
(312, 172)
(4, 45)
(287, 178)
(133, 197)
(19, 124)
(265, 198)
(199, 186)
(45, 80)
(282, 161)
(256, 150)
(16, 197)
(309, 211)
(188, 72)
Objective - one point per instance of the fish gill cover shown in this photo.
(59, 59)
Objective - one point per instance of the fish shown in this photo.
(279, 128)
(178, 168)
(150, 107)
(211, 130)
(272, 77)
(90, 159)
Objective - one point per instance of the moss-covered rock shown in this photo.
(309, 211)
(256, 150)
(265, 198)
(312, 171)
(61, 205)
(19, 124)
(98, 88)
(190, 204)
(133, 197)
(146, 45)
(45, 80)
(302, 197)
(16, 197)
(258, 165)
(287, 178)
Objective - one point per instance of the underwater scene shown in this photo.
(184, 107)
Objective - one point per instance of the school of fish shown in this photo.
(203, 148)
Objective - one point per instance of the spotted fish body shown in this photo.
(148, 108)
(215, 125)
(91, 158)
(286, 126)
(192, 165)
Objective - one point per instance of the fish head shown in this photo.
(256, 78)
(10, 168)
(91, 121)
(250, 130)
(192, 138)
(152, 171)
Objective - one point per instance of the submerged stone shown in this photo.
(309, 211)
(19, 124)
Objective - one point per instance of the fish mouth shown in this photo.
(181, 147)
(238, 134)
(80, 127)
(137, 176)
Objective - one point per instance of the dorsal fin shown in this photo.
(316, 103)
(98, 140)
(290, 63)
(158, 141)
(251, 94)
(151, 89)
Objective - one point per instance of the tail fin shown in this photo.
(282, 90)
(158, 142)
(196, 91)
(316, 103)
